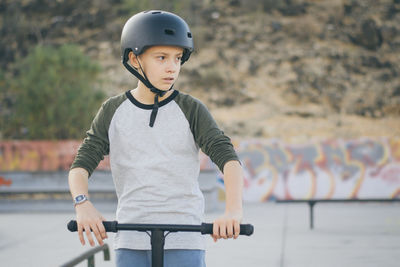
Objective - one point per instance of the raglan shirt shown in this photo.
(155, 169)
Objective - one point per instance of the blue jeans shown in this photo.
(172, 258)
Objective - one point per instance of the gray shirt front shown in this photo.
(155, 169)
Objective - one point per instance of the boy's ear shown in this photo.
(133, 60)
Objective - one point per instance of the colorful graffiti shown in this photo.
(33, 156)
(362, 168)
(5, 182)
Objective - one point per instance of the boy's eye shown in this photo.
(161, 57)
(179, 58)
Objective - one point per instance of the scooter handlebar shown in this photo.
(204, 228)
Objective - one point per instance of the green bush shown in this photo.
(55, 95)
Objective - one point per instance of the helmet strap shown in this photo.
(147, 83)
(154, 111)
(151, 87)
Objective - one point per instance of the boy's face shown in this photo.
(161, 65)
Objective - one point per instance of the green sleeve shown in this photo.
(96, 144)
(212, 141)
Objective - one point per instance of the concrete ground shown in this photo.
(364, 235)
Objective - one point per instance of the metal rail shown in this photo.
(311, 203)
(89, 256)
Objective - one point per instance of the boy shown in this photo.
(153, 135)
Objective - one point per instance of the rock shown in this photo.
(270, 5)
(235, 3)
(348, 7)
(388, 33)
(393, 9)
(276, 26)
(368, 35)
(374, 62)
(396, 91)
(293, 10)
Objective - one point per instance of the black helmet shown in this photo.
(150, 28)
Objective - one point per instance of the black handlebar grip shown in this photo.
(72, 226)
(110, 226)
(245, 229)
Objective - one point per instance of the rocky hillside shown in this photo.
(290, 69)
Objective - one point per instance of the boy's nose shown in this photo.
(172, 66)
(171, 69)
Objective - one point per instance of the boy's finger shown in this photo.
(89, 235)
(222, 230)
(97, 234)
(80, 234)
(229, 229)
(102, 230)
(236, 226)
(215, 231)
(104, 219)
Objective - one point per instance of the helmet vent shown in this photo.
(189, 35)
(169, 32)
(156, 12)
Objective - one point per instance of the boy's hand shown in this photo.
(88, 218)
(228, 225)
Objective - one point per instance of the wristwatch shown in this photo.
(80, 199)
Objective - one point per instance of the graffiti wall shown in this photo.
(33, 156)
(362, 168)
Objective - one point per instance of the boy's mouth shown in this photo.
(168, 79)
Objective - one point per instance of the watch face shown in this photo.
(80, 198)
